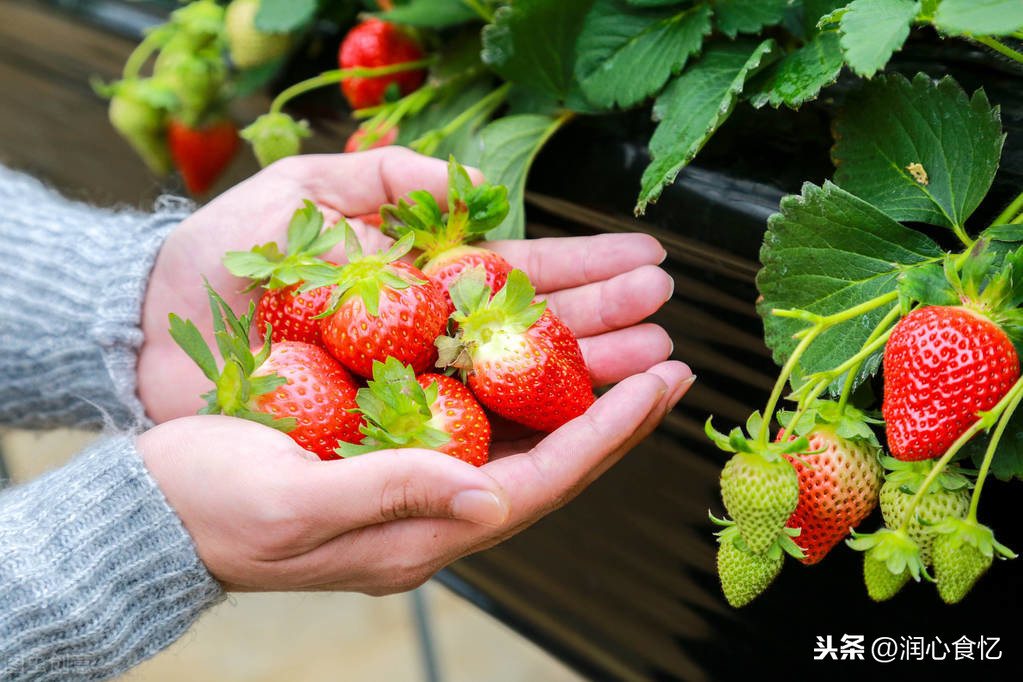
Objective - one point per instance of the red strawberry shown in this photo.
(201, 154)
(431, 411)
(839, 481)
(375, 43)
(380, 307)
(472, 212)
(361, 140)
(942, 365)
(290, 312)
(521, 361)
(292, 386)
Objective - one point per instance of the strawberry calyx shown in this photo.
(235, 387)
(275, 135)
(910, 475)
(783, 543)
(738, 442)
(982, 281)
(844, 421)
(486, 323)
(396, 411)
(969, 532)
(267, 266)
(364, 275)
(472, 211)
(893, 548)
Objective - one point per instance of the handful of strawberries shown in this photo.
(380, 353)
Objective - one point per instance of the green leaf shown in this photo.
(892, 124)
(874, 29)
(979, 17)
(1004, 233)
(800, 75)
(430, 13)
(509, 146)
(748, 16)
(1007, 462)
(532, 43)
(928, 285)
(283, 16)
(693, 106)
(825, 252)
(626, 54)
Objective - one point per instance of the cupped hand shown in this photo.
(267, 515)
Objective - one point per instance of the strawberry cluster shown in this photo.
(379, 353)
(950, 371)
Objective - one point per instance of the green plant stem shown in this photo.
(142, 52)
(337, 75)
(1011, 211)
(427, 143)
(1017, 220)
(827, 321)
(850, 378)
(992, 445)
(779, 385)
(984, 422)
(999, 47)
(485, 13)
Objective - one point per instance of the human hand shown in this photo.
(267, 515)
(600, 286)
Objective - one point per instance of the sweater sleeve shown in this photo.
(96, 571)
(72, 281)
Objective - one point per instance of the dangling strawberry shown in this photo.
(138, 111)
(381, 307)
(251, 47)
(472, 211)
(290, 312)
(292, 386)
(945, 363)
(430, 411)
(743, 574)
(519, 359)
(274, 136)
(201, 154)
(963, 551)
(890, 559)
(376, 43)
(839, 476)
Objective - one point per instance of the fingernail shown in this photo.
(681, 391)
(479, 506)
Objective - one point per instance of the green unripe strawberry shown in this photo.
(760, 493)
(274, 136)
(963, 551)
(891, 558)
(743, 574)
(881, 583)
(947, 497)
(138, 111)
(249, 46)
(195, 76)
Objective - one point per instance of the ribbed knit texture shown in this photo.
(72, 281)
(97, 572)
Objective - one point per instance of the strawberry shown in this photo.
(138, 111)
(292, 386)
(519, 359)
(891, 558)
(289, 311)
(201, 154)
(250, 46)
(430, 411)
(963, 551)
(380, 307)
(472, 211)
(363, 139)
(195, 75)
(743, 574)
(942, 365)
(274, 136)
(376, 43)
(839, 476)
(948, 497)
(198, 24)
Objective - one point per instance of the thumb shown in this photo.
(395, 484)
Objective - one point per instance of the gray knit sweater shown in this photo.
(96, 571)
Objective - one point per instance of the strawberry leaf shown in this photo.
(874, 29)
(979, 17)
(283, 16)
(692, 108)
(800, 75)
(627, 54)
(824, 252)
(430, 13)
(748, 16)
(893, 124)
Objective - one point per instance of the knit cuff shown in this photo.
(73, 279)
(97, 572)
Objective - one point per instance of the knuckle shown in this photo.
(404, 498)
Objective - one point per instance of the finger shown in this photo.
(377, 487)
(561, 263)
(613, 303)
(353, 184)
(616, 355)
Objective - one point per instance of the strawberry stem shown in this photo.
(992, 445)
(998, 47)
(337, 75)
(428, 142)
(142, 52)
(779, 385)
(1011, 211)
